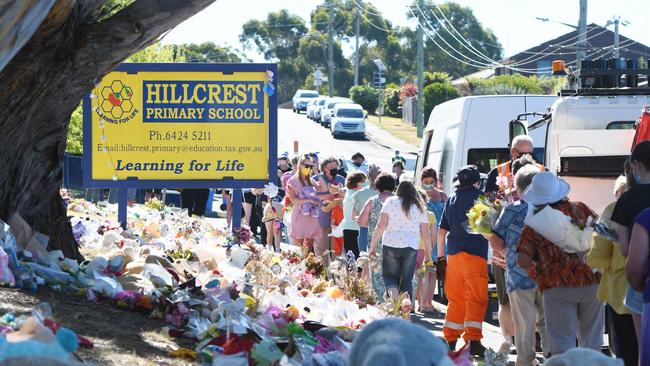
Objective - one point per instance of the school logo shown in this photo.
(116, 105)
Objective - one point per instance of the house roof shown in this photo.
(600, 43)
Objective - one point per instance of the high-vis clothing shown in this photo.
(466, 287)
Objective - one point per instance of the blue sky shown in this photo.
(513, 21)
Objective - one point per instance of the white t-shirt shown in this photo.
(402, 231)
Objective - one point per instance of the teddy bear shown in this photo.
(308, 209)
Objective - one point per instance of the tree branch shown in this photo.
(112, 40)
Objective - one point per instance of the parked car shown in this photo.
(313, 106)
(348, 119)
(328, 109)
(317, 108)
(302, 98)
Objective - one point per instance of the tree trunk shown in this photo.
(43, 84)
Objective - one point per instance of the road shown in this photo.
(312, 137)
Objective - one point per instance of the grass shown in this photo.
(396, 127)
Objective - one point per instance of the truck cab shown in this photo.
(588, 136)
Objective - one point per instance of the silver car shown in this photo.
(302, 98)
(328, 109)
(313, 110)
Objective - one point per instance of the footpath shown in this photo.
(384, 138)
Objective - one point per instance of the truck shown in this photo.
(588, 135)
(475, 130)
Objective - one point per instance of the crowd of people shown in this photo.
(414, 234)
(551, 299)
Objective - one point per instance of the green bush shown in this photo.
(507, 84)
(74, 143)
(437, 93)
(391, 100)
(366, 96)
(436, 77)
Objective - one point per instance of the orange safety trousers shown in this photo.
(466, 287)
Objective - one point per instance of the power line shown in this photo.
(366, 10)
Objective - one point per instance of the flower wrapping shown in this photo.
(558, 228)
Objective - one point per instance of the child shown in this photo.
(273, 214)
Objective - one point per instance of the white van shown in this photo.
(588, 137)
(348, 119)
(475, 130)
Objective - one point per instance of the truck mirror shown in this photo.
(516, 128)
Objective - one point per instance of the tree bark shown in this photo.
(43, 84)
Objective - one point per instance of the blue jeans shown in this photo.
(398, 268)
(363, 239)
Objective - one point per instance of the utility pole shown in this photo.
(582, 34)
(617, 43)
(356, 49)
(419, 118)
(330, 47)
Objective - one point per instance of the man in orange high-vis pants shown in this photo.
(466, 279)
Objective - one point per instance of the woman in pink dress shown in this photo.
(304, 226)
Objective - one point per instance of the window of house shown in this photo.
(543, 67)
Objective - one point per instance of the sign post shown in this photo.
(181, 126)
(380, 81)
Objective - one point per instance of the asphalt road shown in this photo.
(312, 137)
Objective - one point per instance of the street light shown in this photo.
(555, 21)
(380, 65)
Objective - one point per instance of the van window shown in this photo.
(620, 125)
(447, 158)
(331, 105)
(350, 113)
(425, 153)
(309, 95)
(321, 102)
(487, 159)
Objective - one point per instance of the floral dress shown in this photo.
(373, 220)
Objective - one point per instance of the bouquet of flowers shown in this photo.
(239, 236)
(427, 267)
(482, 217)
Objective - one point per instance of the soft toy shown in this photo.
(6, 274)
(34, 339)
(308, 209)
(396, 342)
(582, 357)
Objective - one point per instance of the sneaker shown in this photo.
(452, 345)
(476, 349)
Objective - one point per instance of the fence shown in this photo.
(409, 107)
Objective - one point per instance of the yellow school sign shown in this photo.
(193, 125)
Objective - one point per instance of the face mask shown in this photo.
(428, 187)
(333, 172)
(637, 178)
(305, 170)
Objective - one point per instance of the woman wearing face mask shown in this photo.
(628, 206)
(323, 182)
(435, 204)
(304, 226)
